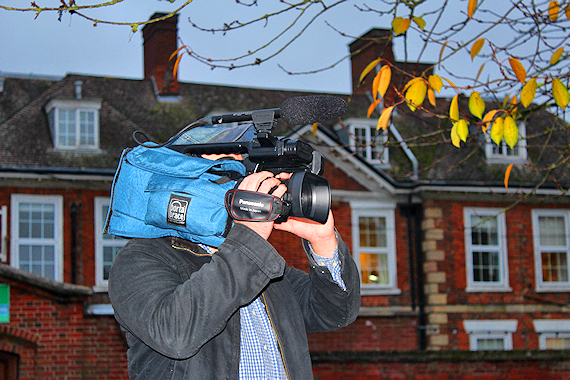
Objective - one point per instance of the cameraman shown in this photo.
(237, 311)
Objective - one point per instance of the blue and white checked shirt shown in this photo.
(260, 357)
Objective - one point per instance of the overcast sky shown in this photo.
(46, 46)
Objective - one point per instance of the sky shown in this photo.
(46, 46)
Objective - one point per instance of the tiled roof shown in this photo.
(130, 105)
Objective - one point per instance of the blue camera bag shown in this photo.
(160, 192)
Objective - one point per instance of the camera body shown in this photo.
(308, 194)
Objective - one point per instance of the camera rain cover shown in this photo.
(251, 206)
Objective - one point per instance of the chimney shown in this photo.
(160, 41)
(377, 43)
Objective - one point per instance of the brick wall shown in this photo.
(56, 341)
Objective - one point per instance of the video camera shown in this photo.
(308, 194)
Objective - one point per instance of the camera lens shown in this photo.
(310, 196)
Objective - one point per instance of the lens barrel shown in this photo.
(309, 196)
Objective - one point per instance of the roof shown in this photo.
(128, 105)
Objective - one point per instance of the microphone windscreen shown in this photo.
(311, 109)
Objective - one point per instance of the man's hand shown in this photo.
(262, 182)
(321, 236)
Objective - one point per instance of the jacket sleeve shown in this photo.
(176, 316)
(325, 305)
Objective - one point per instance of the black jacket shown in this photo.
(180, 306)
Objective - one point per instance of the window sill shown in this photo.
(379, 291)
(488, 289)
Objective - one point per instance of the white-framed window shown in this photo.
(37, 234)
(486, 250)
(368, 142)
(502, 153)
(490, 334)
(551, 235)
(554, 334)
(4, 233)
(106, 246)
(374, 246)
(74, 124)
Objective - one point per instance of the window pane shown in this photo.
(87, 128)
(37, 220)
(554, 267)
(486, 267)
(551, 230)
(109, 254)
(484, 230)
(490, 344)
(374, 269)
(66, 127)
(372, 231)
(556, 343)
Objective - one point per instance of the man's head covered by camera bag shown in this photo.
(160, 192)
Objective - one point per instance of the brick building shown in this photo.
(454, 266)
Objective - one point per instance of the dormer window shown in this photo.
(74, 124)
(502, 153)
(368, 142)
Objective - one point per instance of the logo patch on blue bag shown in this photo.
(177, 208)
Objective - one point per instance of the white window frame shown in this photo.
(487, 286)
(78, 106)
(101, 284)
(551, 328)
(376, 209)
(4, 233)
(366, 153)
(490, 329)
(541, 285)
(504, 158)
(57, 241)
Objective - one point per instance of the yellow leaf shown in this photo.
(441, 51)
(462, 129)
(431, 96)
(476, 48)
(411, 82)
(435, 82)
(511, 132)
(315, 126)
(487, 119)
(556, 56)
(553, 10)
(471, 8)
(455, 140)
(385, 75)
(416, 94)
(560, 93)
(454, 110)
(476, 104)
(518, 68)
(375, 83)
(528, 92)
(384, 118)
(373, 107)
(368, 69)
(400, 25)
(451, 83)
(420, 22)
(479, 72)
(567, 11)
(497, 130)
(506, 100)
(507, 175)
